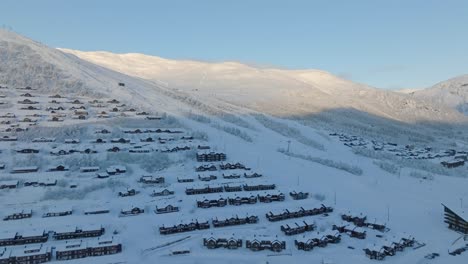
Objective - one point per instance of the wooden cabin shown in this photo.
(235, 220)
(151, 180)
(20, 214)
(211, 157)
(259, 187)
(164, 192)
(166, 209)
(184, 227)
(221, 202)
(57, 211)
(243, 200)
(74, 232)
(232, 188)
(131, 211)
(268, 198)
(299, 195)
(297, 228)
(205, 190)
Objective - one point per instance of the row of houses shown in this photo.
(211, 157)
(33, 254)
(352, 231)
(227, 188)
(25, 237)
(81, 249)
(235, 220)
(254, 244)
(389, 247)
(301, 212)
(184, 227)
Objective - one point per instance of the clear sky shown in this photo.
(388, 44)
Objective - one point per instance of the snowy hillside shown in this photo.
(107, 152)
(281, 92)
(452, 93)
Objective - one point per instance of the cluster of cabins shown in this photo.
(235, 220)
(301, 212)
(454, 158)
(211, 157)
(361, 221)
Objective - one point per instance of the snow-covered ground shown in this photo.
(295, 156)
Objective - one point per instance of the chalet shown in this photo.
(116, 169)
(231, 176)
(232, 188)
(55, 211)
(81, 117)
(56, 119)
(102, 175)
(28, 88)
(210, 157)
(299, 195)
(184, 180)
(103, 116)
(242, 200)
(356, 220)
(164, 192)
(212, 242)
(95, 101)
(89, 169)
(139, 150)
(207, 178)
(236, 166)
(8, 138)
(113, 101)
(18, 214)
(186, 138)
(307, 243)
(26, 95)
(201, 147)
(151, 180)
(120, 140)
(18, 129)
(27, 101)
(297, 228)
(268, 198)
(54, 102)
(166, 209)
(103, 131)
(148, 139)
(8, 115)
(376, 226)
(153, 117)
(265, 243)
(43, 140)
(184, 227)
(352, 231)
(235, 220)
(30, 107)
(134, 131)
(204, 190)
(99, 141)
(375, 252)
(28, 120)
(206, 168)
(453, 163)
(128, 192)
(253, 175)
(456, 218)
(55, 96)
(260, 187)
(131, 211)
(115, 109)
(96, 210)
(27, 151)
(142, 113)
(12, 184)
(54, 109)
(72, 141)
(42, 183)
(76, 101)
(25, 169)
(221, 202)
(61, 152)
(33, 254)
(74, 232)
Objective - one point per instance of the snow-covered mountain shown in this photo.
(452, 93)
(281, 92)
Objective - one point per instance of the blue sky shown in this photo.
(388, 44)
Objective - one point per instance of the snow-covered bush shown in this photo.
(287, 131)
(388, 167)
(326, 162)
(235, 132)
